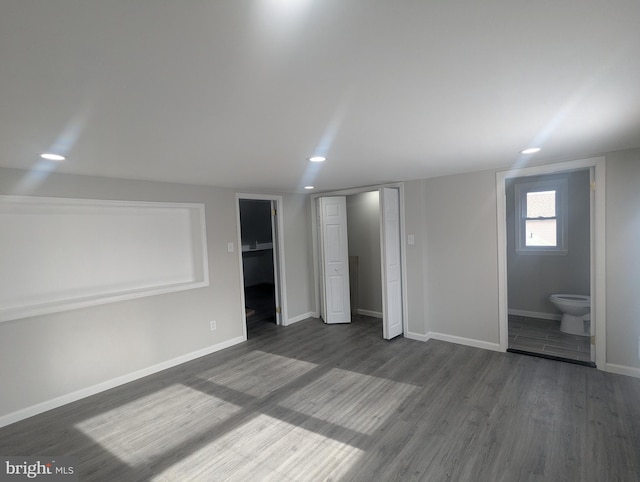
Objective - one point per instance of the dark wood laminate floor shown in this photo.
(316, 402)
(544, 337)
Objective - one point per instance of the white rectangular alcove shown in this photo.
(59, 254)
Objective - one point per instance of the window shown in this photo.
(541, 217)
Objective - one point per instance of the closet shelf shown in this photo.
(247, 248)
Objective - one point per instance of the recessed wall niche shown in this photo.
(60, 254)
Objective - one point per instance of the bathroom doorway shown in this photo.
(533, 264)
(548, 252)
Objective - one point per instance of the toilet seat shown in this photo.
(578, 299)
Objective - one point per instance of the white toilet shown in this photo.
(576, 313)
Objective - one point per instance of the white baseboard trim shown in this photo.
(416, 336)
(464, 341)
(101, 387)
(303, 316)
(623, 370)
(535, 314)
(374, 314)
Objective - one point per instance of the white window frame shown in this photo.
(560, 186)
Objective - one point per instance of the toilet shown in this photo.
(576, 313)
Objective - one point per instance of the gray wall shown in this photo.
(461, 264)
(415, 225)
(623, 258)
(363, 226)
(533, 277)
(458, 248)
(54, 355)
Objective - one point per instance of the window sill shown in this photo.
(542, 252)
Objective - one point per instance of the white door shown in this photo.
(335, 259)
(392, 324)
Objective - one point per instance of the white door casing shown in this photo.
(335, 259)
(276, 263)
(278, 255)
(391, 263)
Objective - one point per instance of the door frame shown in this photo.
(598, 249)
(278, 257)
(315, 220)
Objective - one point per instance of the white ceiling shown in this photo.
(238, 93)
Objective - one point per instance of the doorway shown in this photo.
(365, 273)
(260, 261)
(548, 252)
(597, 285)
(360, 264)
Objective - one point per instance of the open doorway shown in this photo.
(549, 255)
(259, 237)
(365, 273)
(507, 292)
(360, 262)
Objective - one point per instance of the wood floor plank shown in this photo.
(317, 402)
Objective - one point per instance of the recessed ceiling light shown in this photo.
(308, 187)
(52, 157)
(530, 150)
(317, 159)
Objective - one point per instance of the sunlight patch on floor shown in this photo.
(265, 448)
(257, 373)
(138, 431)
(365, 402)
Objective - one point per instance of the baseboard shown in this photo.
(373, 314)
(535, 314)
(115, 382)
(416, 336)
(463, 341)
(304, 316)
(623, 370)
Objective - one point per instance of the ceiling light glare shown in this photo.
(308, 187)
(530, 150)
(317, 159)
(52, 157)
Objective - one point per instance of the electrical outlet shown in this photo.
(213, 325)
